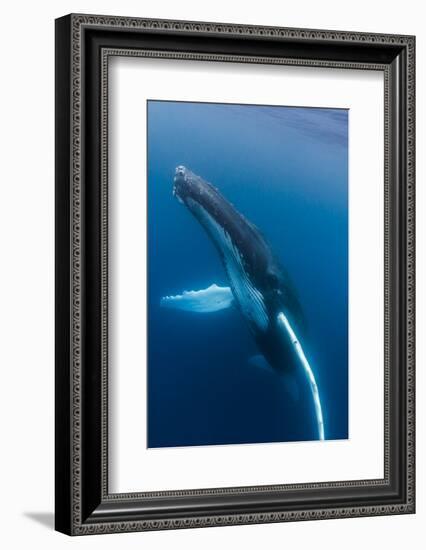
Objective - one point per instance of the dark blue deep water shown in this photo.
(286, 170)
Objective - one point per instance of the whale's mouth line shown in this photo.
(177, 195)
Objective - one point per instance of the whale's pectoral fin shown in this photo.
(284, 323)
(213, 298)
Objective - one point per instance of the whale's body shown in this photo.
(258, 285)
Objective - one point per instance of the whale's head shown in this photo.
(255, 277)
(189, 188)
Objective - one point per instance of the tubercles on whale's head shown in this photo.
(190, 188)
(181, 183)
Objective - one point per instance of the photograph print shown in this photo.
(247, 274)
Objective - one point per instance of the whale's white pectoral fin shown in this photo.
(208, 300)
(284, 323)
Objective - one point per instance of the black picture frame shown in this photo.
(83, 45)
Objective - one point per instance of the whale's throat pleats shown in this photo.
(248, 297)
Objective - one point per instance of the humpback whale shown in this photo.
(258, 285)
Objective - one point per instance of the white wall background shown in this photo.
(26, 288)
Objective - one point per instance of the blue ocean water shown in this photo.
(286, 170)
